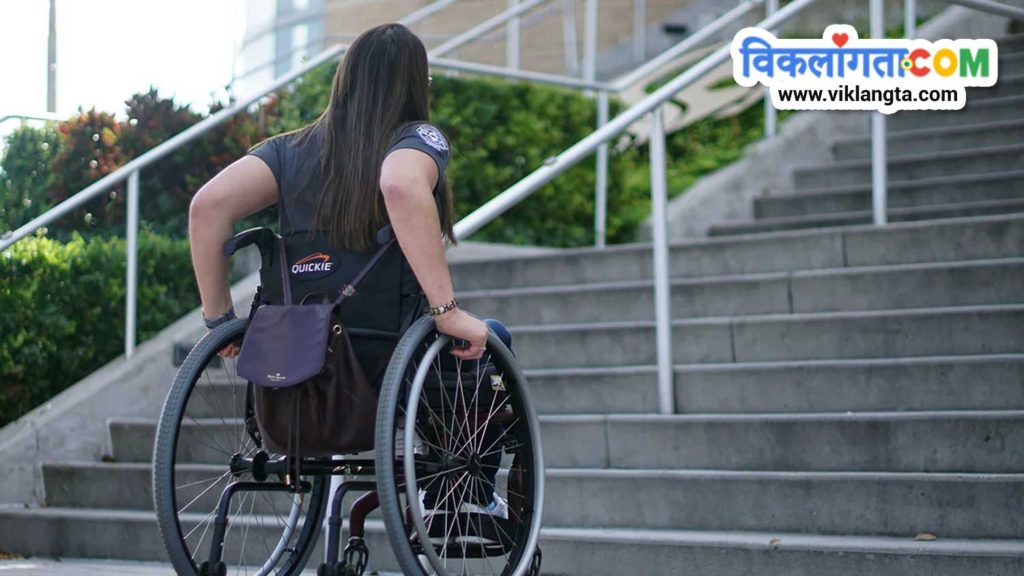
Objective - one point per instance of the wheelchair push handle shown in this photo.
(263, 238)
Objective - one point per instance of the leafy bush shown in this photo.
(94, 144)
(63, 309)
(24, 171)
(713, 143)
(90, 149)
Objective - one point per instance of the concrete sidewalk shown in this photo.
(81, 567)
(42, 567)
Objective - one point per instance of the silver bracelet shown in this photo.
(438, 310)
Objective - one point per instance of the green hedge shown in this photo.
(63, 309)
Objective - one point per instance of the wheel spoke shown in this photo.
(201, 404)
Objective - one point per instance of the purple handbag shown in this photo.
(311, 397)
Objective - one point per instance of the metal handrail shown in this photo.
(43, 116)
(121, 174)
(305, 16)
(487, 70)
(590, 144)
(689, 43)
(161, 150)
(288, 20)
(484, 27)
(992, 7)
(539, 77)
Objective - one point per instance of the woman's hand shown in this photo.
(229, 351)
(459, 324)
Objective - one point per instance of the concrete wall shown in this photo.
(73, 425)
(803, 140)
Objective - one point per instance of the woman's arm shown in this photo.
(407, 182)
(240, 190)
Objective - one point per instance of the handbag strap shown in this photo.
(350, 288)
(286, 282)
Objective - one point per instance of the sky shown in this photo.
(109, 49)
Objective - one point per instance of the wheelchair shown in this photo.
(455, 483)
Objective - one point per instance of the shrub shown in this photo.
(90, 149)
(95, 144)
(23, 174)
(63, 309)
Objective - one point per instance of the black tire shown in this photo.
(457, 531)
(212, 428)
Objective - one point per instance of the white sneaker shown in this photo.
(498, 507)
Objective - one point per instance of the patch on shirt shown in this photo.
(433, 137)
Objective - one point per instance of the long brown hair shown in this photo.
(381, 84)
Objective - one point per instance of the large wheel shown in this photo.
(202, 445)
(466, 437)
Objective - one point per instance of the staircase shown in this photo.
(850, 398)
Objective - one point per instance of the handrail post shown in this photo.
(909, 19)
(132, 268)
(572, 57)
(662, 300)
(590, 41)
(601, 180)
(512, 39)
(878, 134)
(770, 119)
(639, 30)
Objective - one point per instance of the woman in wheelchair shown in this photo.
(455, 481)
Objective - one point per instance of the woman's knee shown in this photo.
(501, 331)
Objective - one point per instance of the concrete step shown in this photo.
(952, 163)
(134, 535)
(575, 551)
(880, 504)
(905, 214)
(978, 441)
(1010, 44)
(1010, 83)
(807, 336)
(928, 140)
(974, 441)
(1011, 61)
(869, 288)
(910, 193)
(890, 504)
(129, 486)
(560, 391)
(899, 243)
(943, 383)
(976, 111)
